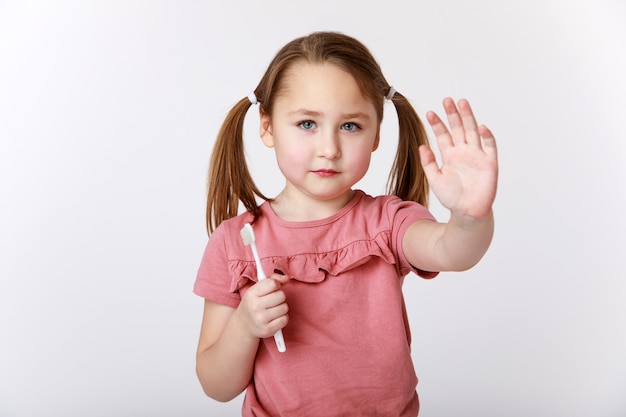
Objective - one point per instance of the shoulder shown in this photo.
(391, 206)
(227, 235)
(228, 226)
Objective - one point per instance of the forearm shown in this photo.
(225, 368)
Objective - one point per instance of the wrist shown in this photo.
(467, 221)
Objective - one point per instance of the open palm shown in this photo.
(466, 181)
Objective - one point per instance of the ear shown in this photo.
(266, 130)
(376, 142)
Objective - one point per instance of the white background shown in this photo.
(108, 111)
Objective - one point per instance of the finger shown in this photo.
(444, 139)
(277, 324)
(274, 299)
(489, 142)
(429, 163)
(272, 320)
(266, 286)
(457, 130)
(277, 314)
(470, 126)
(277, 311)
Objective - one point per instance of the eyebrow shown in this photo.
(313, 113)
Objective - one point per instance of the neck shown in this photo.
(302, 208)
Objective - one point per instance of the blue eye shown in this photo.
(350, 126)
(307, 124)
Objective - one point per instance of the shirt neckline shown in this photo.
(273, 217)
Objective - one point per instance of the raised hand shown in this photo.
(466, 181)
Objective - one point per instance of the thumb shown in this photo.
(283, 279)
(429, 163)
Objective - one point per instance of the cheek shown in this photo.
(290, 158)
(361, 159)
(291, 152)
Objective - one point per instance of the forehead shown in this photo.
(303, 69)
(321, 84)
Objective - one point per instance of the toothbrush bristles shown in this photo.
(247, 234)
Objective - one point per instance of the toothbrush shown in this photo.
(247, 235)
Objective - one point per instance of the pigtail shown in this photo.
(229, 179)
(407, 179)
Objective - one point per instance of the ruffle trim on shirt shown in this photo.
(316, 266)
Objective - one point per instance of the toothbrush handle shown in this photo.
(278, 336)
(280, 341)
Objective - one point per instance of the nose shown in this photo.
(329, 145)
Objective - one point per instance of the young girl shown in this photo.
(336, 257)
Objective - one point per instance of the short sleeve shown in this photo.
(213, 278)
(401, 215)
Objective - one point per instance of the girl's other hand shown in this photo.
(466, 181)
(263, 308)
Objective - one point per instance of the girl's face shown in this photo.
(323, 131)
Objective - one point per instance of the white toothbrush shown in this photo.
(247, 235)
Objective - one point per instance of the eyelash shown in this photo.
(302, 123)
(355, 126)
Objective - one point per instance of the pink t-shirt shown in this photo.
(348, 339)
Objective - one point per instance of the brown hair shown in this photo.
(229, 178)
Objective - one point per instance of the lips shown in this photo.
(325, 172)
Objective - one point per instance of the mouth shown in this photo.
(325, 172)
